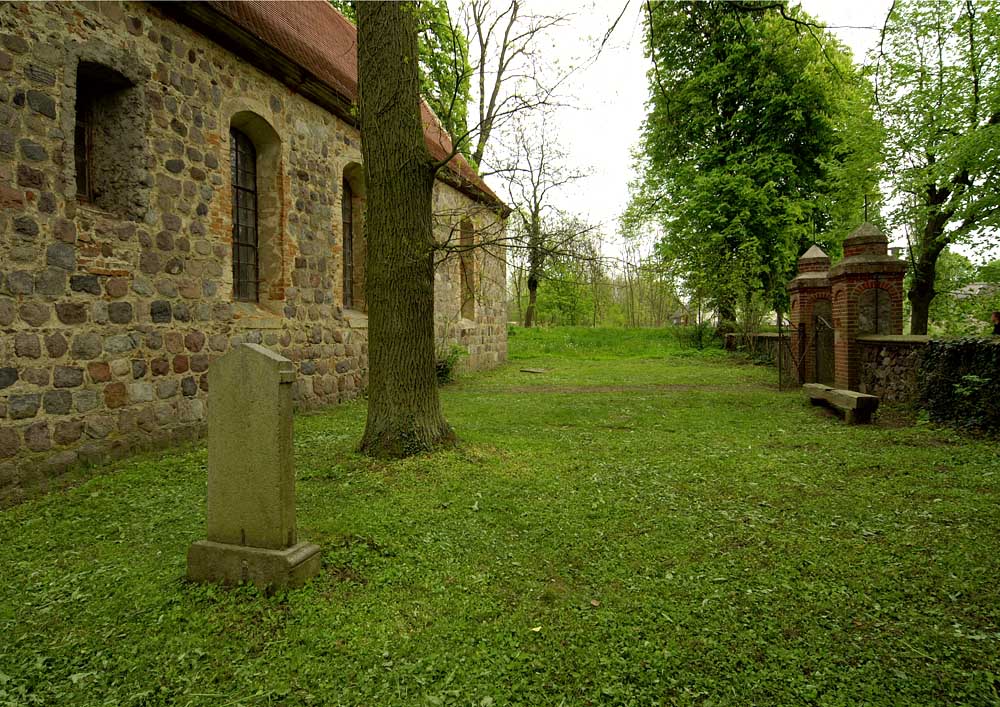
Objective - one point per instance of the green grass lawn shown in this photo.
(640, 524)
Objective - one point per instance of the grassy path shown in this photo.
(640, 524)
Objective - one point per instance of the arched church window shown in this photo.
(243, 161)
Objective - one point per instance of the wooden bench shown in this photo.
(857, 408)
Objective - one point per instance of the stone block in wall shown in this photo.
(67, 432)
(115, 395)
(23, 407)
(56, 345)
(99, 371)
(10, 442)
(85, 400)
(8, 376)
(57, 402)
(38, 437)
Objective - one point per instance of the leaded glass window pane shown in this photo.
(243, 158)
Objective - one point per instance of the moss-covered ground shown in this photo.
(640, 524)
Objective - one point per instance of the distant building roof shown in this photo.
(323, 44)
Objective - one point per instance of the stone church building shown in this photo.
(178, 178)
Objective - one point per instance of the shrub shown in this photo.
(447, 362)
(699, 335)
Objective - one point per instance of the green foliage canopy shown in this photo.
(758, 141)
(937, 76)
(990, 272)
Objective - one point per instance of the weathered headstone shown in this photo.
(251, 478)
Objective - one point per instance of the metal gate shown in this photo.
(823, 333)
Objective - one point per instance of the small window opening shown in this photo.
(354, 249)
(107, 139)
(243, 159)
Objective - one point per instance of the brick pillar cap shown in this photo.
(814, 253)
(813, 263)
(867, 234)
(814, 256)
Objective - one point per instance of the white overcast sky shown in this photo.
(601, 129)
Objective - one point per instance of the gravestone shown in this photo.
(251, 477)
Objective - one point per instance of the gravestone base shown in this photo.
(209, 561)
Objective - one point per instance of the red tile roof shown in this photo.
(320, 40)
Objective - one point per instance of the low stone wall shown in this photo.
(890, 366)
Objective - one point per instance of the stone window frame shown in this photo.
(353, 175)
(271, 260)
(133, 76)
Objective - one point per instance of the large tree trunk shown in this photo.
(404, 412)
(922, 291)
(529, 313)
(920, 307)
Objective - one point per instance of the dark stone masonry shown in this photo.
(120, 221)
(891, 367)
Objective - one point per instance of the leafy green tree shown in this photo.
(989, 272)
(953, 272)
(759, 140)
(957, 308)
(938, 93)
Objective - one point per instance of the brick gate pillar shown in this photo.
(867, 287)
(811, 284)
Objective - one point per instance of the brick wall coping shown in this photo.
(894, 340)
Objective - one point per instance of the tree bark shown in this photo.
(529, 313)
(922, 291)
(404, 411)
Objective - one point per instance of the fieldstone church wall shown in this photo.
(112, 310)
